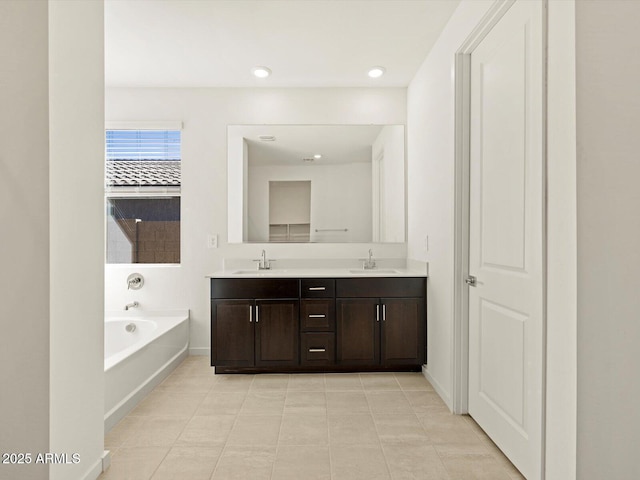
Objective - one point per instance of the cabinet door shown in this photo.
(277, 328)
(403, 335)
(232, 334)
(358, 331)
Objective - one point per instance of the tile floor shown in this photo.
(201, 426)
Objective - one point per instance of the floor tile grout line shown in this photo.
(275, 459)
(424, 429)
(326, 402)
(160, 463)
(440, 456)
(235, 420)
(375, 425)
(404, 393)
(178, 436)
(483, 437)
(331, 461)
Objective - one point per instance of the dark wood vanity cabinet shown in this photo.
(251, 327)
(342, 324)
(373, 329)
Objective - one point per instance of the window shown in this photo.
(142, 190)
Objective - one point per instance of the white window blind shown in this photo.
(156, 145)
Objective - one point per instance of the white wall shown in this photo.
(340, 198)
(238, 182)
(119, 246)
(561, 244)
(430, 119)
(206, 114)
(76, 99)
(24, 202)
(430, 159)
(51, 134)
(608, 106)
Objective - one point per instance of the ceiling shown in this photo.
(293, 143)
(306, 43)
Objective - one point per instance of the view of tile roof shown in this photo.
(143, 173)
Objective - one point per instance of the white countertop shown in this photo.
(318, 273)
(322, 268)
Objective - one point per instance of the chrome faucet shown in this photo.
(131, 305)
(263, 263)
(369, 263)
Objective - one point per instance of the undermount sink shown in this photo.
(373, 271)
(258, 272)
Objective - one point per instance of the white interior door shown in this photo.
(506, 235)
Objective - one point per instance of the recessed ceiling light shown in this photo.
(317, 156)
(376, 72)
(267, 138)
(261, 72)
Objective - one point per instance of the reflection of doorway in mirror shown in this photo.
(289, 211)
(378, 191)
(387, 186)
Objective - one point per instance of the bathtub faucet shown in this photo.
(131, 305)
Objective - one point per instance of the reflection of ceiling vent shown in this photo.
(309, 160)
(267, 138)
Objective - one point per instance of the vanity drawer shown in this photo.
(317, 315)
(381, 287)
(317, 287)
(235, 288)
(318, 348)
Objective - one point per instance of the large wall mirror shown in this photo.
(316, 183)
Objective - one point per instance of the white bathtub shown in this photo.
(136, 361)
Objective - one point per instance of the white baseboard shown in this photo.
(106, 460)
(199, 351)
(94, 472)
(438, 388)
